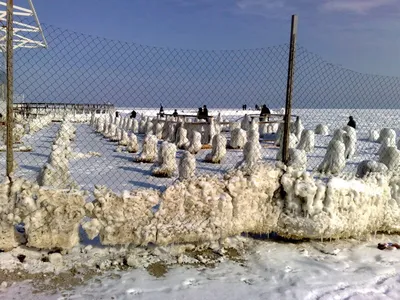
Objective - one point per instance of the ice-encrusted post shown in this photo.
(195, 143)
(218, 149)
(187, 165)
(289, 89)
(149, 150)
(166, 165)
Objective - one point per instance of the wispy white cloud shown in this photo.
(356, 6)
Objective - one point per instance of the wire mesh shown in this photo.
(88, 113)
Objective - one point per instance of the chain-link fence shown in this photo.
(124, 115)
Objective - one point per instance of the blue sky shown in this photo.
(363, 35)
(145, 61)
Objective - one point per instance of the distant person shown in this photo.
(200, 113)
(264, 113)
(352, 123)
(133, 114)
(117, 114)
(175, 113)
(161, 111)
(257, 107)
(244, 107)
(205, 111)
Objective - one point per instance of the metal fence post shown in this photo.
(9, 64)
(289, 89)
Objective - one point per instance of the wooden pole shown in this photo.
(9, 63)
(289, 89)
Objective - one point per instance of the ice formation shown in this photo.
(245, 124)
(135, 126)
(238, 138)
(158, 130)
(187, 165)
(254, 125)
(51, 217)
(350, 140)
(195, 143)
(133, 145)
(124, 138)
(387, 133)
(149, 149)
(239, 203)
(18, 133)
(292, 144)
(386, 142)
(322, 129)
(166, 164)
(251, 153)
(334, 160)
(234, 125)
(297, 159)
(367, 167)
(338, 208)
(218, 149)
(390, 156)
(8, 236)
(149, 127)
(373, 135)
(307, 141)
(279, 134)
(55, 172)
(142, 126)
(297, 128)
(182, 140)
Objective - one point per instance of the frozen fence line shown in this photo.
(205, 208)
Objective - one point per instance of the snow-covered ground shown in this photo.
(268, 270)
(118, 171)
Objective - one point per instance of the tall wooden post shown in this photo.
(9, 64)
(289, 90)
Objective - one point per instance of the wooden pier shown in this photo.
(36, 109)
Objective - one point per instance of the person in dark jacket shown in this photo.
(175, 113)
(161, 111)
(205, 111)
(352, 123)
(133, 114)
(264, 113)
(117, 114)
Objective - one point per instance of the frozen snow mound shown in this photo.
(251, 156)
(187, 165)
(195, 143)
(334, 160)
(307, 141)
(292, 144)
(133, 145)
(51, 217)
(373, 135)
(387, 133)
(122, 219)
(166, 165)
(238, 138)
(208, 208)
(390, 157)
(149, 150)
(350, 140)
(181, 137)
(322, 129)
(297, 159)
(218, 149)
(367, 167)
(336, 209)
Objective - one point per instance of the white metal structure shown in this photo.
(25, 35)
